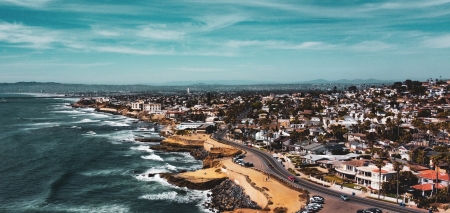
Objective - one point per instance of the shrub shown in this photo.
(280, 210)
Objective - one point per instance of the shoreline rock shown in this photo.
(201, 184)
(228, 196)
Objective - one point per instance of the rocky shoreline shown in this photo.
(225, 194)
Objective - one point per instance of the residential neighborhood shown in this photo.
(387, 140)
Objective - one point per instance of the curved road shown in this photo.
(281, 172)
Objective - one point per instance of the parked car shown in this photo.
(248, 164)
(316, 199)
(310, 209)
(312, 200)
(238, 161)
(360, 211)
(373, 210)
(315, 204)
(344, 198)
(315, 208)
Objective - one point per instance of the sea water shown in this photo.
(54, 158)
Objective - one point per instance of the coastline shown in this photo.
(217, 168)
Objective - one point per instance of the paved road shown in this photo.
(332, 204)
(281, 172)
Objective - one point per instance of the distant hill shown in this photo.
(245, 82)
(346, 81)
(218, 82)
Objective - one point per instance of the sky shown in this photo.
(152, 42)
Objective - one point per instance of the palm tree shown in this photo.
(397, 167)
(379, 163)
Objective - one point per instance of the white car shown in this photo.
(315, 204)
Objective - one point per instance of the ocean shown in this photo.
(55, 158)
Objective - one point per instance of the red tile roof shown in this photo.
(427, 186)
(430, 174)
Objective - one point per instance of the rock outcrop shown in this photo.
(205, 184)
(228, 196)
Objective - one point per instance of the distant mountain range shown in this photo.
(218, 82)
(244, 82)
(347, 81)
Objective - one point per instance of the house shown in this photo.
(315, 148)
(151, 107)
(427, 181)
(370, 175)
(348, 168)
(355, 146)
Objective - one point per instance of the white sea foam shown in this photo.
(34, 126)
(156, 178)
(184, 158)
(119, 136)
(87, 120)
(104, 172)
(112, 123)
(88, 208)
(142, 148)
(190, 168)
(99, 115)
(69, 112)
(160, 196)
(171, 167)
(153, 157)
(191, 196)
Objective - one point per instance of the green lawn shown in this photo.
(332, 178)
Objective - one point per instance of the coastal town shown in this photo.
(381, 142)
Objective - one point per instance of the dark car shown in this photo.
(270, 166)
(373, 210)
(248, 164)
(360, 211)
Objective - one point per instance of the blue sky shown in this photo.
(139, 42)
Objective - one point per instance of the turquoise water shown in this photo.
(58, 159)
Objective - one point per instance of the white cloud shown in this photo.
(128, 50)
(214, 22)
(107, 33)
(197, 69)
(26, 3)
(27, 36)
(279, 44)
(438, 42)
(371, 46)
(159, 32)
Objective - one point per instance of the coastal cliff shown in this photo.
(192, 183)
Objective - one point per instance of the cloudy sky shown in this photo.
(139, 41)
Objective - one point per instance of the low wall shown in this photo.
(319, 181)
(250, 190)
